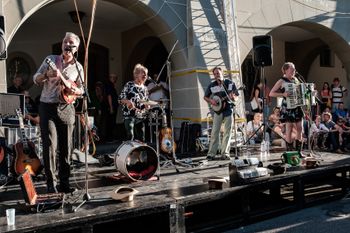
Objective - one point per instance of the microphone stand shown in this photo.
(86, 100)
(301, 79)
(168, 65)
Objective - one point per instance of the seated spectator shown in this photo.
(31, 109)
(344, 135)
(254, 129)
(318, 132)
(333, 139)
(340, 112)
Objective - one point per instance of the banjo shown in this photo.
(221, 101)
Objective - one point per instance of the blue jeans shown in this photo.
(135, 129)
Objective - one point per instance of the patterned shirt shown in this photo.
(136, 94)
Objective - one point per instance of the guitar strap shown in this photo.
(226, 92)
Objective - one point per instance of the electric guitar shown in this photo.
(66, 94)
(221, 101)
(26, 158)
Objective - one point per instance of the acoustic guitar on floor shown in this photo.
(26, 157)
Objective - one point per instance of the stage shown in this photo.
(180, 199)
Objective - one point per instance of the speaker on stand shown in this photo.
(262, 46)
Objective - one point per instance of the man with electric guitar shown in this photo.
(133, 98)
(220, 94)
(61, 78)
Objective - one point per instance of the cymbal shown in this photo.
(163, 100)
(149, 102)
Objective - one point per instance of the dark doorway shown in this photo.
(98, 65)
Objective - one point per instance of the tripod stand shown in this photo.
(173, 162)
(264, 124)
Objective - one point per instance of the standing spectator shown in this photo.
(99, 102)
(112, 99)
(326, 96)
(338, 93)
(16, 86)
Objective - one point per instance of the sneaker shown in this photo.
(225, 157)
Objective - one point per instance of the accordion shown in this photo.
(297, 94)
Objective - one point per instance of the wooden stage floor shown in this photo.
(181, 200)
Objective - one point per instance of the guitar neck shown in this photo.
(21, 126)
(53, 66)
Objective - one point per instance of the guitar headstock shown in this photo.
(20, 118)
(50, 63)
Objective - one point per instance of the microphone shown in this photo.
(69, 48)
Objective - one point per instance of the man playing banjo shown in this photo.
(220, 94)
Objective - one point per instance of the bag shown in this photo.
(254, 104)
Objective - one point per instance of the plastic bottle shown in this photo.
(263, 151)
(267, 145)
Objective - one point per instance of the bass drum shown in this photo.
(136, 160)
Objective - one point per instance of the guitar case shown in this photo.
(188, 135)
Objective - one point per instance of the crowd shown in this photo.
(327, 127)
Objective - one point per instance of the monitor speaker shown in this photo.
(262, 46)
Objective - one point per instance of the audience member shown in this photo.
(255, 130)
(326, 96)
(16, 86)
(338, 93)
(112, 99)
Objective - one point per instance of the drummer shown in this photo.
(133, 98)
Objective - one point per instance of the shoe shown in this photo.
(346, 150)
(210, 157)
(339, 151)
(51, 189)
(66, 189)
(225, 157)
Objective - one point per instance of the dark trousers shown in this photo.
(57, 125)
(135, 129)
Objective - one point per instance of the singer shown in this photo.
(133, 98)
(291, 117)
(57, 117)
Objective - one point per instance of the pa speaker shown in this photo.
(262, 46)
(3, 53)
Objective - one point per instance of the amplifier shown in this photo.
(10, 121)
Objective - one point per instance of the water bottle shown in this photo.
(267, 145)
(263, 151)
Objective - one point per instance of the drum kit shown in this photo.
(140, 161)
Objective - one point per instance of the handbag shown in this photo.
(254, 104)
